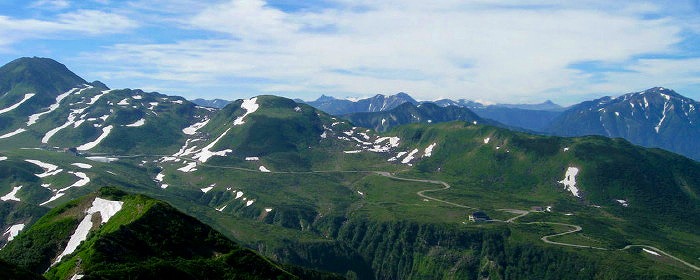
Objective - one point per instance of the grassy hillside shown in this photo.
(146, 238)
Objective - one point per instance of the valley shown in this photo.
(309, 194)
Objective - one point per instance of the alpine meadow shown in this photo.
(509, 141)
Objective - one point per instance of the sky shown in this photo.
(509, 51)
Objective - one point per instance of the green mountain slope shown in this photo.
(144, 238)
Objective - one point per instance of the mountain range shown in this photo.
(657, 117)
(268, 187)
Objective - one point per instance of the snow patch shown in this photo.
(13, 231)
(238, 194)
(54, 197)
(106, 208)
(160, 177)
(207, 189)
(409, 157)
(192, 129)
(252, 158)
(14, 106)
(3, 158)
(137, 123)
(205, 153)
(569, 181)
(82, 165)
(263, 169)
(87, 146)
(429, 150)
(190, 167)
(221, 208)
(124, 101)
(486, 140)
(97, 97)
(623, 202)
(249, 203)
(8, 135)
(268, 210)
(352, 152)
(49, 169)
(83, 179)
(250, 106)
(566, 149)
(12, 195)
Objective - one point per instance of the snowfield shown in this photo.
(570, 181)
(250, 106)
(263, 169)
(106, 209)
(12, 195)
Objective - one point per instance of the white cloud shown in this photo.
(51, 4)
(513, 50)
(85, 22)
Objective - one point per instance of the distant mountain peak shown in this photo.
(324, 98)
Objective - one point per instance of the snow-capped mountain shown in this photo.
(657, 117)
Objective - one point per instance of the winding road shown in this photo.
(521, 213)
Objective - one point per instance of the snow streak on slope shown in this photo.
(14, 106)
(106, 208)
(8, 135)
(71, 120)
(205, 153)
(49, 169)
(34, 118)
(105, 132)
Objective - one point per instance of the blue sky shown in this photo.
(494, 51)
